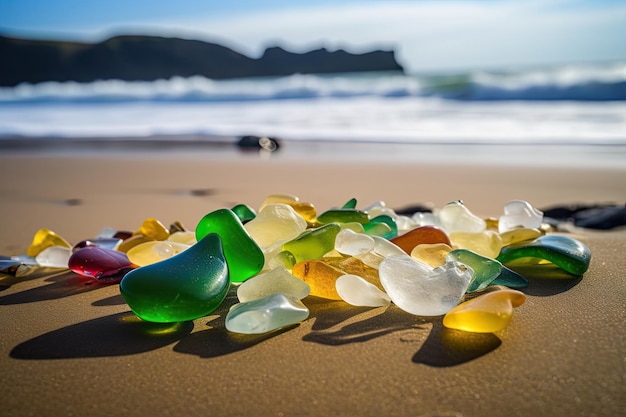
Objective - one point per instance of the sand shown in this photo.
(71, 347)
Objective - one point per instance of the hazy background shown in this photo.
(534, 72)
(428, 35)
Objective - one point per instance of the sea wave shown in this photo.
(578, 83)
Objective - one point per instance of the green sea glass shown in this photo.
(510, 278)
(373, 227)
(350, 204)
(485, 269)
(344, 215)
(184, 287)
(245, 258)
(567, 253)
(244, 212)
(313, 243)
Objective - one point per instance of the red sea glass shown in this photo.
(103, 265)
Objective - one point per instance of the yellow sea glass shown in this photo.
(133, 241)
(487, 243)
(187, 237)
(491, 223)
(304, 209)
(43, 239)
(155, 229)
(155, 251)
(433, 254)
(519, 235)
(279, 199)
(486, 313)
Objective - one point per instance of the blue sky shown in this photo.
(427, 35)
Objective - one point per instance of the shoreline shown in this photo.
(544, 155)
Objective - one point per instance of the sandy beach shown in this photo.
(72, 347)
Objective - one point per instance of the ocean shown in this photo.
(566, 105)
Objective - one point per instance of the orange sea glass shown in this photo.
(320, 276)
(419, 235)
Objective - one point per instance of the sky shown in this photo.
(443, 35)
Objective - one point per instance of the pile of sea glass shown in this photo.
(444, 262)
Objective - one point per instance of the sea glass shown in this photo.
(356, 291)
(432, 254)
(354, 226)
(154, 229)
(518, 235)
(353, 244)
(421, 290)
(283, 258)
(155, 251)
(320, 276)
(54, 257)
(379, 229)
(184, 287)
(186, 237)
(566, 252)
(44, 238)
(313, 243)
(266, 314)
(102, 242)
(104, 265)
(486, 313)
(275, 224)
(354, 266)
(8, 264)
(245, 258)
(485, 270)
(456, 217)
(176, 227)
(385, 248)
(350, 204)
(343, 216)
(303, 208)
(279, 199)
(244, 212)
(519, 213)
(277, 280)
(487, 243)
(134, 240)
(306, 210)
(382, 225)
(419, 235)
(510, 278)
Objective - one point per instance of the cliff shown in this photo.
(147, 58)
